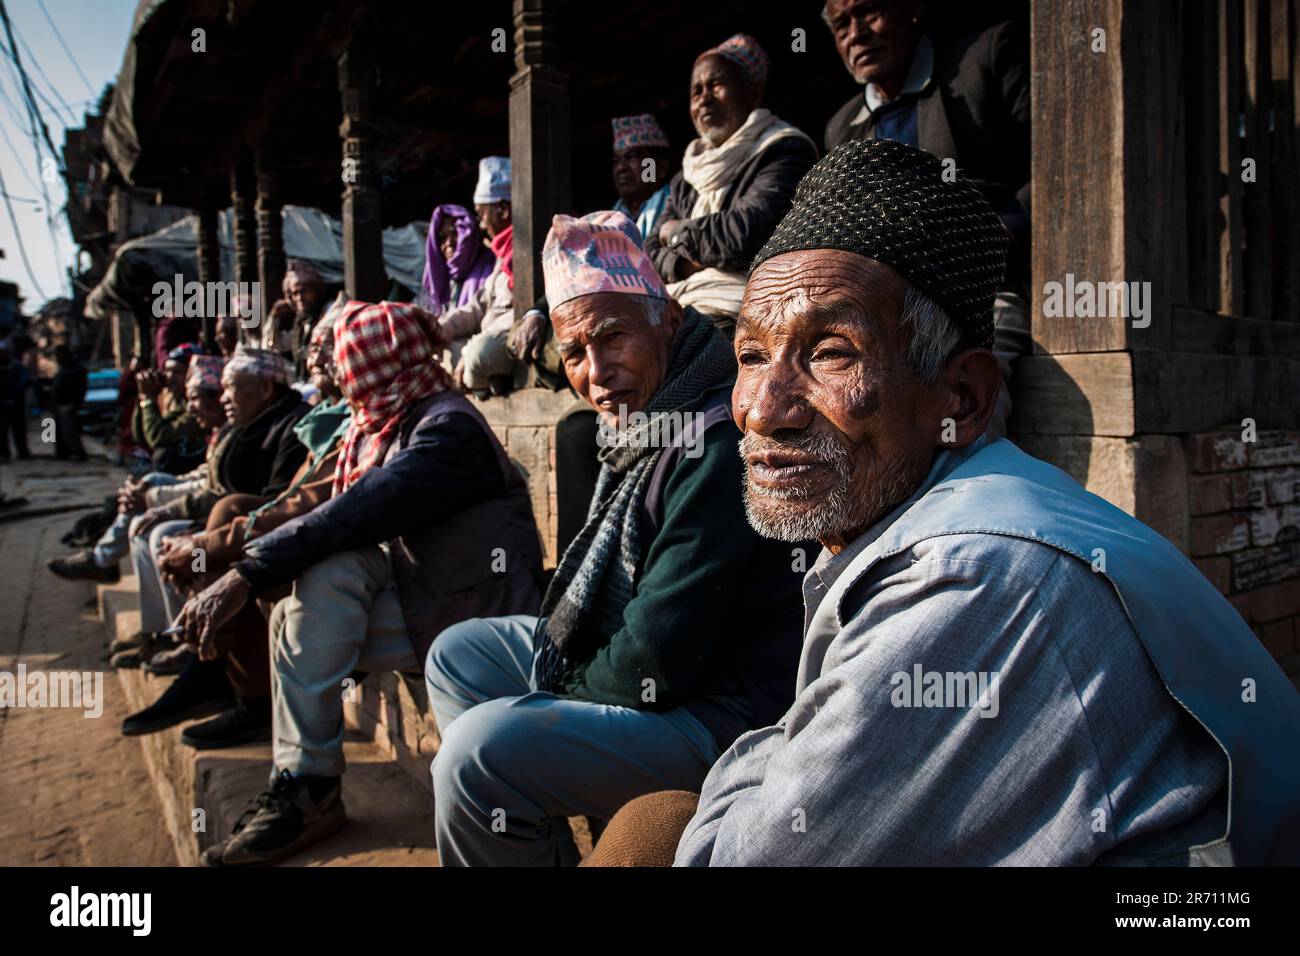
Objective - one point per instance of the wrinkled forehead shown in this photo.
(232, 375)
(807, 287)
(715, 65)
(589, 316)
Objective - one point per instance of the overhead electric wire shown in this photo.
(18, 237)
(22, 165)
(40, 71)
(75, 65)
(37, 122)
(26, 82)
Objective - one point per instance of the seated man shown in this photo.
(998, 667)
(670, 627)
(240, 648)
(198, 392)
(429, 524)
(736, 182)
(257, 454)
(476, 332)
(910, 83)
(162, 421)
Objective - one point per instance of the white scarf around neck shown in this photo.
(710, 170)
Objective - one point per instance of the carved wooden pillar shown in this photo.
(209, 256)
(242, 190)
(270, 231)
(363, 249)
(540, 143)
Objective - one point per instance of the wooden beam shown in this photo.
(1257, 196)
(1210, 333)
(1179, 393)
(209, 256)
(1089, 393)
(1231, 284)
(1202, 155)
(540, 142)
(1284, 23)
(1151, 392)
(243, 191)
(270, 229)
(363, 251)
(1108, 169)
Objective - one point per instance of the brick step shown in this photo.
(391, 823)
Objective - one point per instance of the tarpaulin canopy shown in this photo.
(309, 234)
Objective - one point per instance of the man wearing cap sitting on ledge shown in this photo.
(670, 627)
(428, 523)
(998, 667)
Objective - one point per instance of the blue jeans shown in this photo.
(115, 542)
(515, 762)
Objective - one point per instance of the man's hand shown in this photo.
(175, 560)
(149, 382)
(529, 340)
(666, 229)
(130, 497)
(458, 376)
(209, 610)
(150, 520)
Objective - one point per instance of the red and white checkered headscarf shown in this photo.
(387, 357)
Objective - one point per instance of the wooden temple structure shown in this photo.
(1165, 151)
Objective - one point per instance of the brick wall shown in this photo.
(1244, 527)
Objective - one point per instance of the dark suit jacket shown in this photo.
(975, 109)
(751, 209)
(259, 458)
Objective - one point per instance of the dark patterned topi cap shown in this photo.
(891, 203)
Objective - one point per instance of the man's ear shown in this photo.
(969, 383)
(673, 315)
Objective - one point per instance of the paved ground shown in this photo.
(75, 791)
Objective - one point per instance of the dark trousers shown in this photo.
(13, 420)
(67, 432)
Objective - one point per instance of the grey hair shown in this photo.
(652, 308)
(932, 336)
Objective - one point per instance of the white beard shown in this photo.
(815, 515)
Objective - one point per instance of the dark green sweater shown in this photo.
(176, 439)
(717, 618)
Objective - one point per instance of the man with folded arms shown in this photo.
(998, 667)
(670, 627)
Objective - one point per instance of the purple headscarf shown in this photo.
(470, 265)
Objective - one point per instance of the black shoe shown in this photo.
(81, 566)
(134, 642)
(249, 722)
(201, 690)
(168, 660)
(296, 812)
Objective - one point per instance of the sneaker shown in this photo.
(286, 819)
(170, 660)
(201, 690)
(81, 566)
(249, 722)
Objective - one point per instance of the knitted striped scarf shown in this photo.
(597, 574)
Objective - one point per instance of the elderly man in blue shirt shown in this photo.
(998, 667)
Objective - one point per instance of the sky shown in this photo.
(95, 33)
